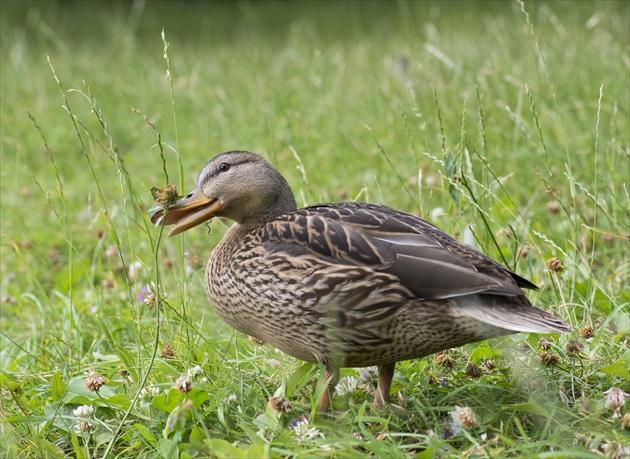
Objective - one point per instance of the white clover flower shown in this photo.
(368, 376)
(615, 398)
(149, 392)
(84, 411)
(134, 269)
(305, 433)
(112, 251)
(230, 398)
(346, 385)
(194, 371)
(437, 212)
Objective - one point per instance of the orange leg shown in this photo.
(330, 380)
(385, 375)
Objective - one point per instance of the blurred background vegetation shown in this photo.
(388, 102)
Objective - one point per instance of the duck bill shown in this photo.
(195, 209)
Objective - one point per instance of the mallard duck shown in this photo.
(347, 284)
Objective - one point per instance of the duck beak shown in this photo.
(192, 210)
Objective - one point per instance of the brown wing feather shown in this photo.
(426, 260)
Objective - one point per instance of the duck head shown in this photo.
(238, 185)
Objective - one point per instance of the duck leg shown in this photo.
(385, 376)
(330, 381)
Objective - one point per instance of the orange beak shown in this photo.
(192, 210)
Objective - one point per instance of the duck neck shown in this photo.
(269, 207)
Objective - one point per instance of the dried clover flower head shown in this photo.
(615, 398)
(553, 207)
(548, 359)
(466, 417)
(135, 270)
(165, 196)
(490, 364)
(93, 381)
(83, 427)
(193, 262)
(587, 332)
(183, 384)
(555, 265)
(108, 283)
(544, 344)
(280, 404)
(573, 346)
(443, 359)
(474, 371)
(167, 352)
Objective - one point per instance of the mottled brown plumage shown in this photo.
(347, 284)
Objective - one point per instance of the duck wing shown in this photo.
(428, 262)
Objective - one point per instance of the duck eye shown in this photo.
(223, 167)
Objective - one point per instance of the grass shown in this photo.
(505, 124)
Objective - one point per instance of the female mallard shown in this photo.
(348, 284)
